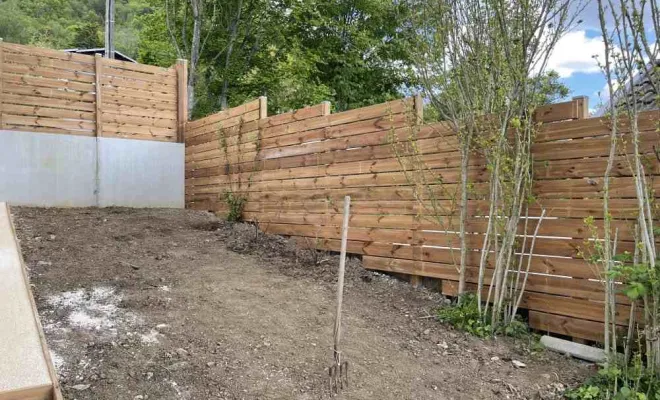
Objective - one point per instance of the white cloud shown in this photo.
(575, 52)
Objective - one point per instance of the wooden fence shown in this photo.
(295, 168)
(52, 91)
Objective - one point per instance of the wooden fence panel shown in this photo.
(51, 91)
(295, 168)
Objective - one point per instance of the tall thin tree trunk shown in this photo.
(233, 32)
(194, 52)
(465, 162)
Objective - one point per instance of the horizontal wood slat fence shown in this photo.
(295, 168)
(51, 91)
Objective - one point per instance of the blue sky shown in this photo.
(576, 66)
(573, 58)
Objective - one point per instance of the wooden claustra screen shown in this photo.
(295, 168)
(51, 91)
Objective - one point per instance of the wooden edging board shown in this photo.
(26, 368)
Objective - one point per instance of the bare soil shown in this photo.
(173, 304)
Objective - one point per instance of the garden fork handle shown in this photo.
(340, 280)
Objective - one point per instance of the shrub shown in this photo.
(464, 315)
(236, 205)
(634, 382)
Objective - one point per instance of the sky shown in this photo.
(573, 58)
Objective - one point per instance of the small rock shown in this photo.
(426, 331)
(150, 375)
(80, 387)
(181, 352)
(138, 397)
(518, 364)
(162, 327)
(44, 263)
(210, 364)
(51, 237)
(178, 366)
(495, 358)
(443, 345)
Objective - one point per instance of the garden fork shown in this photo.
(338, 372)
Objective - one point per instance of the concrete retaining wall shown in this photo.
(50, 170)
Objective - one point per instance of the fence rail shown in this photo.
(295, 168)
(51, 91)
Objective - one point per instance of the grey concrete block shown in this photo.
(140, 173)
(577, 350)
(38, 169)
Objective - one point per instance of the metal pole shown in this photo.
(110, 29)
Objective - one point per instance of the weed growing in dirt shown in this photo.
(236, 205)
(465, 316)
(634, 382)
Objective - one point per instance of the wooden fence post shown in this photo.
(98, 74)
(2, 61)
(182, 98)
(263, 107)
(326, 108)
(582, 104)
(418, 105)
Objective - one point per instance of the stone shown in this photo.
(518, 364)
(80, 387)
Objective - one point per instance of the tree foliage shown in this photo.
(296, 52)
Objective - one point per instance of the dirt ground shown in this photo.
(173, 304)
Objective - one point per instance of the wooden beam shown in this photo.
(98, 73)
(326, 108)
(419, 108)
(182, 98)
(263, 107)
(582, 106)
(55, 392)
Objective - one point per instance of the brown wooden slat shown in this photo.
(39, 111)
(47, 102)
(112, 98)
(169, 80)
(222, 115)
(545, 284)
(138, 129)
(578, 328)
(38, 81)
(169, 98)
(138, 111)
(296, 115)
(142, 68)
(29, 128)
(140, 121)
(560, 305)
(32, 60)
(54, 54)
(139, 136)
(48, 122)
(48, 72)
(18, 89)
